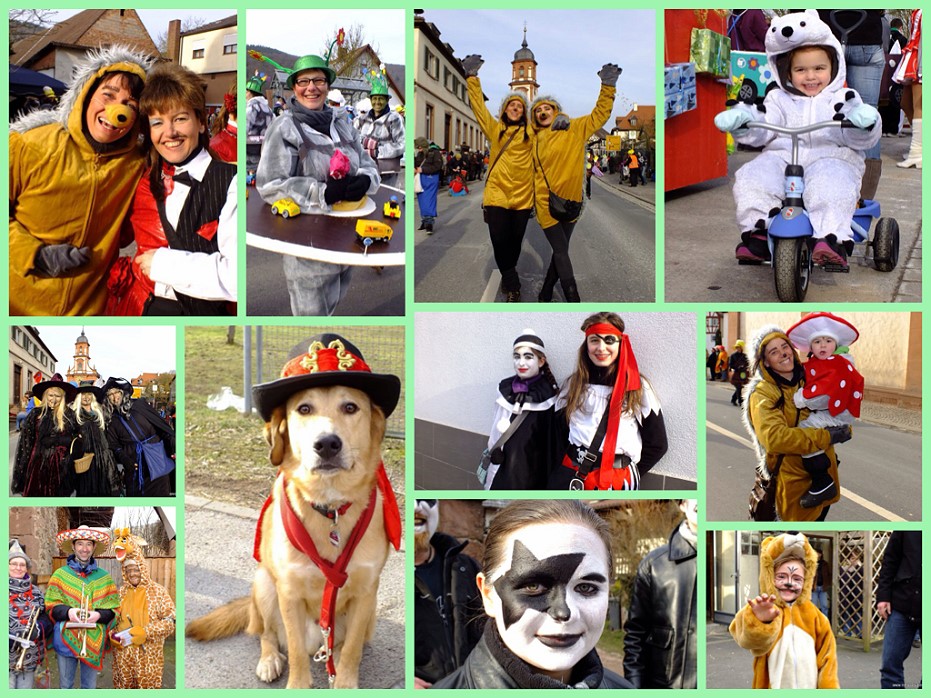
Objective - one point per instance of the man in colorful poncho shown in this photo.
(80, 592)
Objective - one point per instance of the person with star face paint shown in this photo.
(544, 584)
(448, 617)
(790, 639)
(660, 634)
(522, 460)
(616, 427)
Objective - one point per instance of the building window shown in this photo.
(431, 64)
(428, 122)
(197, 53)
(229, 44)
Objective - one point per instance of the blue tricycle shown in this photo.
(790, 232)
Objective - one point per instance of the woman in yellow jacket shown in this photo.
(559, 166)
(73, 172)
(508, 198)
(771, 419)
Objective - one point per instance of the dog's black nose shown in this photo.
(328, 446)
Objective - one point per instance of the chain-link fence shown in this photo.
(267, 349)
(859, 558)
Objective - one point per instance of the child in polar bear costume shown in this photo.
(790, 639)
(810, 71)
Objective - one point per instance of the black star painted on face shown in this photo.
(536, 584)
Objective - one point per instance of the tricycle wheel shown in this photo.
(886, 244)
(791, 269)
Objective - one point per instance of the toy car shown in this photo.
(287, 208)
(375, 230)
(392, 209)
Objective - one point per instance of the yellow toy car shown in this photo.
(373, 230)
(286, 207)
(392, 209)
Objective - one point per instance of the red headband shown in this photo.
(603, 328)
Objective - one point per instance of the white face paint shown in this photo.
(526, 363)
(689, 507)
(426, 517)
(550, 598)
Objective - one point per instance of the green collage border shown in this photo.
(412, 308)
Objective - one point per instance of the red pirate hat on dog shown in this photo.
(324, 360)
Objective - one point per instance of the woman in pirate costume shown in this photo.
(26, 601)
(520, 460)
(183, 216)
(82, 600)
(101, 479)
(42, 466)
(616, 427)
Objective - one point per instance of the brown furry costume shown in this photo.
(797, 649)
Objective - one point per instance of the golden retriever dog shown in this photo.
(326, 442)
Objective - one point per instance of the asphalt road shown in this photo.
(612, 250)
(218, 567)
(880, 468)
(370, 292)
(701, 234)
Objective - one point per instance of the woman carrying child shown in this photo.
(772, 420)
(616, 427)
(183, 216)
(809, 73)
(521, 460)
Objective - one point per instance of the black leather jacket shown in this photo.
(660, 632)
(492, 665)
(900, 574)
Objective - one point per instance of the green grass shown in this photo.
(612, 641)
(226, 456)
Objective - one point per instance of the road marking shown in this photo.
(845, 491)
(491, 290)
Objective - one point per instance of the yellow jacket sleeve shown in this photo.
(753, 634)
(774, 428)
(23, 246)
(486, 121)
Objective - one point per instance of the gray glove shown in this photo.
(471, 64)
(560, 123)
(55, 260)
(840, 434)
(609, 74)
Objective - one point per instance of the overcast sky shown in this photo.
(301, 32)
(569, 46)
(123, 352)
(156, 21)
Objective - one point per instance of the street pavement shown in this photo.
(880, 467)
(701, 234)
(612, 249)
(729, 666)
(370, 293)
(219, 568)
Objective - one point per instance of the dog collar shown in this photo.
(332, 514)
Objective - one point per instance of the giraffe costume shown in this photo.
(147, 611)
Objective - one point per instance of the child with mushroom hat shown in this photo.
(521, 459)
(833, 390)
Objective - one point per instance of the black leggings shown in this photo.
(506, 228)
(558, 237)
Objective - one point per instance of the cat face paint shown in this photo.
(549, 601)
(789, 578)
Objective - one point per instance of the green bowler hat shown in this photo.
(309, 63)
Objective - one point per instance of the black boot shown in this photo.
(549, 283)
(429, 228)
(570, 291)
(422, 225)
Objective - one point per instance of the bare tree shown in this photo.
(187, 24)
(25, 23)
(345, 57)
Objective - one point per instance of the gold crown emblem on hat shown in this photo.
(311, 361)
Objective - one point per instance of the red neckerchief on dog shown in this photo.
(628, 378)
(335, 572)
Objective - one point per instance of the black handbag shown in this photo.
(762, 503)
(563, 210)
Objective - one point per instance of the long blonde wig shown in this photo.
(59, 413)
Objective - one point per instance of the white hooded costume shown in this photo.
(833, 158)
